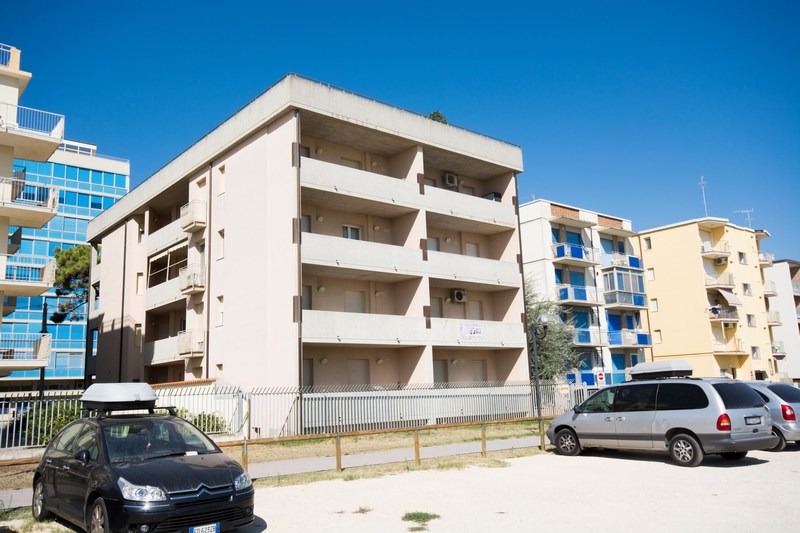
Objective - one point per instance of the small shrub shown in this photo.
(210, 422)
(46, 419)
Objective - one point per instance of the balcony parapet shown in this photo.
(769, 288)
(26, 275)
(766, 259)
(27, 204)
(617, 259)
(733, 346)
(24, 351)
(721, 281)
(633, 338)
(590, 337)
(719, 313)
(796, 288)
(192, 279)
(715, 251)
(9, 57)
(625, 299)
(773, 318)
(191, 343)
(778, 351)
(574, 254)
(193, 216)
(34, 134)
(575, 294)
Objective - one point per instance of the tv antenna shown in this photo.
(747, 214)
(703, 188)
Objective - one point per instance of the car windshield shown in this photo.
(787, 393)
(142, 438)
(737, 395)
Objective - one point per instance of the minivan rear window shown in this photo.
(674, 396)
(787, 393)
(738, 395)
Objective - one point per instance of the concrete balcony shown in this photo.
(162, 352)
(14, 241)
(589, 337)
(778, 351)
(361, 257)
(574, 254)
(621, 260)
(472, 270)
(340, 328)
(773, 318)
(723, 281)
(766, 259)
(24, 351)
(191, 343)
(723, 315)
(193, 216)
(629, 338)
(192, 279)
(769, 288)
(27, 204)
(166, 237)
(577, 295)
(26, 275)
(731, 347)
(716, 250)
(625, 300)
(796, 288)
(163, 294)
(34, 134)
(474, 213)
(450, 332)
(95, 272)
(9, 305)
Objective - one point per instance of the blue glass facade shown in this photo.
(84, 194)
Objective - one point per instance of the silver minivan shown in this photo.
(783, 401)
(661, 410)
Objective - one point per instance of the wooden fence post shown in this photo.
(338, 452)
(416, 446)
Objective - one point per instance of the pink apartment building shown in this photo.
(316, 237)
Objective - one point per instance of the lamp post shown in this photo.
(537, 335)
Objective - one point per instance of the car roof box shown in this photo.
(119, 396)
(661, 369)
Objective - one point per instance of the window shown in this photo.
(137, 329)
(479, 372)
(635, 398)
(651, 274)
(351, 232)
(648, 245)
(751, 320)
(657, 336)
(678, 396)
(305, 151)
(140, 283)
(306, 298)
(471, 249)
(355, 302)
(308, 371)
(440, 370)
(654, 305)
(746, 289)
(433, 244)
(601, 402)
(742, 258)
(352, 163)
(305, 223)
(357, 371)
(755, 352)
(474, 310)
(436, 308)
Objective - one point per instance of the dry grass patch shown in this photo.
(17, 476)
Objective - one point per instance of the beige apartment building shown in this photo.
(587, 262)
(34, 135)
(707, 297)
(316, 237)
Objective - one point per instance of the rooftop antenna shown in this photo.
(747, 216)
(703, 188)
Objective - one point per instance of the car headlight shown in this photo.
(140, 493)
(242, 482)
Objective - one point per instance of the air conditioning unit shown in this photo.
(451, 181)
(721, 261)
(459, 296)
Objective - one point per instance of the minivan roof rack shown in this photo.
(661, 369)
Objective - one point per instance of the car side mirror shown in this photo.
(83, 456)
(577, 409)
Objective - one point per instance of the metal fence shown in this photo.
(227, 412)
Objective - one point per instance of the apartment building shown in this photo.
(24, 203)
(88, 183)
(707, 297)
(316, 237)
(782, 288)
(586, 261)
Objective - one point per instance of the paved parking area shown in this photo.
(599, 491)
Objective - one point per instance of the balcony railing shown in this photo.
(624, 299)
(723, 280)
(796, 288)
(31, 121)
(778, 352)
(732, 346)
(723, 314)
(621, 260)
(28, 268)
(716, 250)
(576, 293)
(191, 343)
(565, 252)
(766, 259)
(770, 288)
(773, 318)
(192, 279)
(21, 192)
(24, 346)
(5, 55)
(193, 216)
(590, 337)
(629, 337)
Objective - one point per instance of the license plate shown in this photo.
(752, 420)
(210, 528)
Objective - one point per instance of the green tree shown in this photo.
(438, 117)
(554, 344)
(72, 281)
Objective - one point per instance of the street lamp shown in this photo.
(538, 333)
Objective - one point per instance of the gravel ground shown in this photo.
(599, 491)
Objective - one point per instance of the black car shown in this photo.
(140, 472)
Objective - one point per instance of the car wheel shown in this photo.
(685, 450)
(567, 443)
(781, 442)
(98, 517)
(734, 456)
(38, 508)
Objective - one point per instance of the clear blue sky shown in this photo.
(619, 107)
